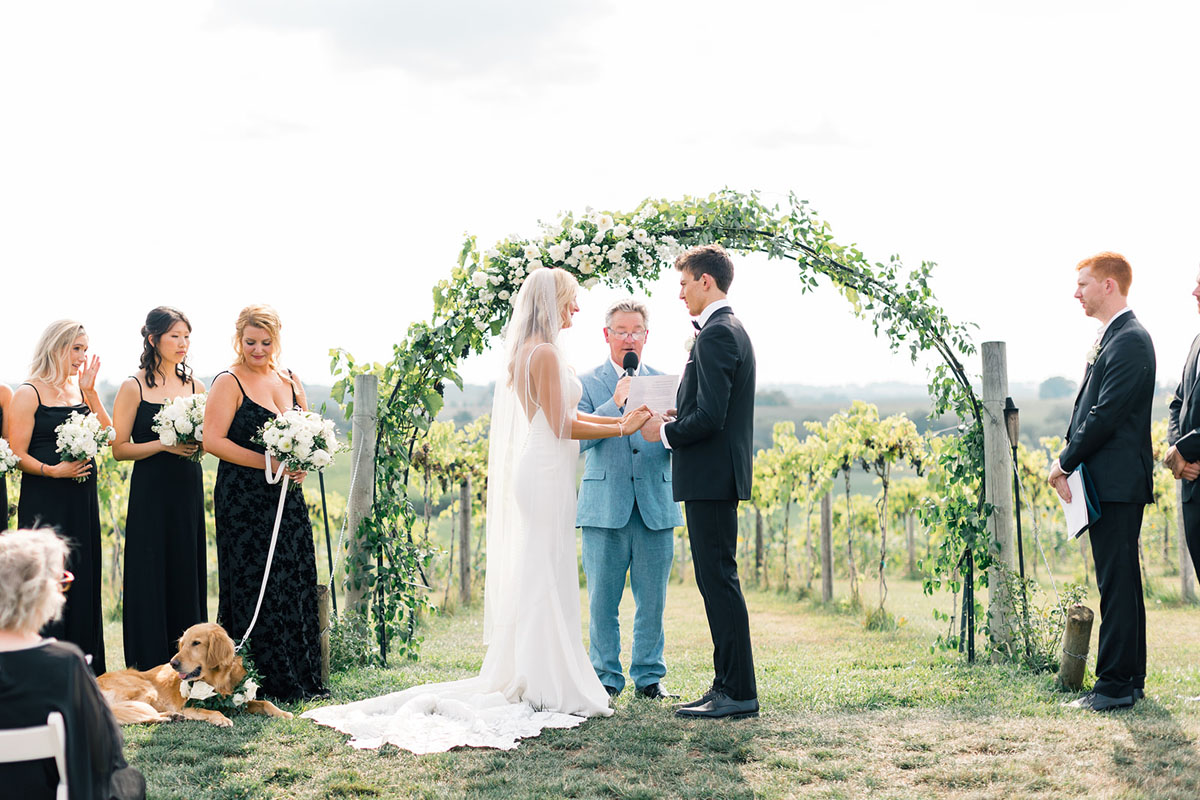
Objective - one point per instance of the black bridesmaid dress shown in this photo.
(286, 641)
(3, 488)
(165, 564)
(72, 508)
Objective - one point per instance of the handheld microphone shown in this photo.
(630, 363)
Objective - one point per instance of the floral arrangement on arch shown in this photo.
(622, 249)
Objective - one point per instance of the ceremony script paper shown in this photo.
(655, 391)
(1075, 511)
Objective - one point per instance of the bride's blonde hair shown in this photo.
(537, 314)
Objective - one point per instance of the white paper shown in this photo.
(655, 391)
(1076, 510)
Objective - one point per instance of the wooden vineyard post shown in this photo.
(1077, 635)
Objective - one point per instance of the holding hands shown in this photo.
(652, 430)
(634, 420)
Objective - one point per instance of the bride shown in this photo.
(535, 674)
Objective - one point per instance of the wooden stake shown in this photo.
(1076, 638)
(323, 626)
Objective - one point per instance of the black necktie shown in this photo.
(695, 325)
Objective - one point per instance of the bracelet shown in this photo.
(620, 427)
(42, 468)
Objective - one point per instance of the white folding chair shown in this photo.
(34, 744)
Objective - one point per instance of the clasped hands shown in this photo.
(1180, 467)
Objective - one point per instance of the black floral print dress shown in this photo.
(285, 643)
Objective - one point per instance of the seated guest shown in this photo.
(39, 675)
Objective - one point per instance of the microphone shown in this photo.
(630, 363)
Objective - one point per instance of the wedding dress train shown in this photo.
(536, 673)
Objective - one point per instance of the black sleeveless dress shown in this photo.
(72, 509)
(3, 488)
(165, 565)
(286, 641)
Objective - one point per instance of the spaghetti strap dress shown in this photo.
(72, 508)
(165, 563)
(3, 488)
(285, 643)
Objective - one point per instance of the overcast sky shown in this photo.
(327, 157)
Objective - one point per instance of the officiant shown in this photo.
(627, 515)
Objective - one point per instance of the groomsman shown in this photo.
(1109, 434)
(1185, 419)
(711, 441)
(628, 516)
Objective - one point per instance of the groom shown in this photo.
(711, 440)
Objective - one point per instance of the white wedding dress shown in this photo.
(535, 674)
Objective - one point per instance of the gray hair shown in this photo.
(630, 306)
(31, 565)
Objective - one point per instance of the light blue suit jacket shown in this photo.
(607, 493)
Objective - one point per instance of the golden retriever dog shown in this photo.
(205, 653)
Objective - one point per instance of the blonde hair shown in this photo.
(31, 565)
(565, 287)
(258, 316)
(49, 362)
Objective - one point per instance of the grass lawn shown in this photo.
(846, 713)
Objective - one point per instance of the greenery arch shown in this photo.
(630, 250)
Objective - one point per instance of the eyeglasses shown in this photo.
(636, 336)
(66, 580)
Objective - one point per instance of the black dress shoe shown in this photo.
(612, 690)
(1094, 701)
(1139, 694)
(655, 691)
(704, 698)
(721, 706)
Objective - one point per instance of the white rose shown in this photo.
(614, 256)
(577, 234)
(168, 437)
(532, 253)
(621, 231)
(479, 279)
(491, 253)
(515, 262)
(503, 294)
(591, 283)
(251, 689)
(557, 252)
(199, 433)
(321, 459)
(284, 445)
(640, 236)
(586, 268)
(691, 220)
(239, 699)
(495, 279)
(184, 426)
(604, 222)
(201, 691)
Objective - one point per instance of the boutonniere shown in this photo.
(689, 343)
(1093, 354)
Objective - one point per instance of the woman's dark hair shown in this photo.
(158, 322)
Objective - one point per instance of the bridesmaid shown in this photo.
(6, 395)
(62, 380)
(165, 564)
(285, 642)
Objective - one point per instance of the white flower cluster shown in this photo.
(301, 440)
(201, 690)
(181, 421)
(8, 459)
(594, 244)
(81, 436)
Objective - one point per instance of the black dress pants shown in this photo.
(712, 531)
(1121, 655)
(1191, 527)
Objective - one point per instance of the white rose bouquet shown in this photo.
(8, 459)
(181, 421)
(301, 440)
(81, 437)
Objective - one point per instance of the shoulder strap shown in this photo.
(192, 383)
(528, 362)
(235, 377)
(292, 381)
(35, 391)
(139, 385)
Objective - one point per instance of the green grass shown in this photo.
(846, 713)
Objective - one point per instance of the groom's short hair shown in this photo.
(708, 259)
(1109, 265)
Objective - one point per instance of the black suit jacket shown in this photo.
(1110, 425)
(1185, 411)
(712, 437)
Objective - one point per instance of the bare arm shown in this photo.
(22, 408)
(222, 404)
(6, 396)
(546, 387)
(87, 388)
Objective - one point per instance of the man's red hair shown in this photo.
(1109, 265)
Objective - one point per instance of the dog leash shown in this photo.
(262, 590)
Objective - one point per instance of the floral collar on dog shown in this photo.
(200, 694)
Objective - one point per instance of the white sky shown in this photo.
(327, 157)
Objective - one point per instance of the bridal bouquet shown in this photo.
(81, 437)
(8, 459)
(181, 421)
(301, 440)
